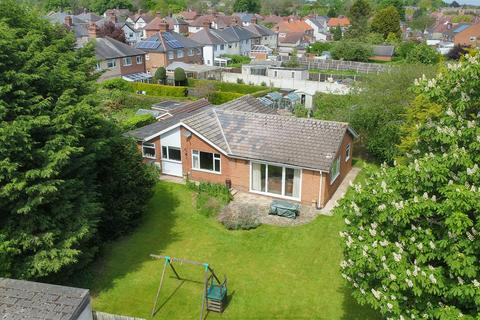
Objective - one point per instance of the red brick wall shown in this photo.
(158, 156)
(463, 38)
(134, 67)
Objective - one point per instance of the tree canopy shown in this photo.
(386, 21)
(411, 241)
(359, 13)
(252, 6)
(69, 180)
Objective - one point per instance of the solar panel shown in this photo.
(174, 44)
(148, 45)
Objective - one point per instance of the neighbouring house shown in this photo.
(139, 22)
(319, 25)
(213, 21)
(265, 36)
(34, 300)
(173, 24)
(260, 52)
(272, 19)
(450, 34)
(341, 21)
(165, 47)
(117, 59)
(382, 53)
(247, 146)
(218, 42)
(247, 19)
(284, 28)
(78, 26)
(189, 16)
(288, 42)
(469, 36)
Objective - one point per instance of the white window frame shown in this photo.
(111, 63)
(127, 61)
(139, 59)
(347, 152)
(191, 52)
(166, 156)
(336, 162)
(216, 156)
(180, 53)
(282, 196)
(170, 55)
(149, 145)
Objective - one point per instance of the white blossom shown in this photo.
(476, 283)
(393, 277)
(389, 306)
(460, 281)
(376, 294)
(397, 257)
(409, 283)
(347, 221)
(382, 207)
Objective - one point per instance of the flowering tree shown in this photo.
(412, 237)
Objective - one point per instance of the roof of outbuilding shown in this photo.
(383, 50)
(21, 299)
(301, 142)
(177, 115)
(109, 48)
(247, 103)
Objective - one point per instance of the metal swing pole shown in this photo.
(167, 261)
(207, 269)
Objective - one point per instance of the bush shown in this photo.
(404, 48)
(180, 77)
(240, 217)
(118, 84)
(263, 84)
(351, 51)
(319, 47)
(239, 81)
(219, 97)
(159, 90)
(423, 53)
(237, 59)
(300, 111)
(137, 121)
(160, 75)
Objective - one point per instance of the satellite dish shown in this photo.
(187, 134)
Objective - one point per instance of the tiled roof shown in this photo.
(259, 30)
(21, 300)
(109, 48)
(382, 50)
(247, 103)
(182, 42)
(88, 17)
(291, 37)
(177, 115)
(340, 21)
(188, 15)
(272, 19)
(306, 143)
(222, 36)
(292, 26)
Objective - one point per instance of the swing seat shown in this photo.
(216, 292)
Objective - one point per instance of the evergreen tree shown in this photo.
(160, 75)
(180, 77)
(337, 33)
(386, 21)
(359, 14)
(53, 146)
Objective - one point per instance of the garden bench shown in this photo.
(284, 209)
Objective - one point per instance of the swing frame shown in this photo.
(169, 261)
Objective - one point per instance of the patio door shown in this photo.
(276, 180)
(171, 153)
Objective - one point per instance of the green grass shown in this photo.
(273, 272)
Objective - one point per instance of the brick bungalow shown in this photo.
(251, 148)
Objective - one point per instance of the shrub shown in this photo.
(118, 84)
(319, 47)
(159, 90)
(237, 59)
(137, 121)
(239, 81)
(210, 197)
(263, 84)
(219, 97)
(208, 205)
(300, 111)
(240, 217)
(180, 77)
(351, 51)
(423, 54)
(160, 75)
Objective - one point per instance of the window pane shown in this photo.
(206, 161)
(149, 150)
(195, 160)
(274, 179)
(164, 152)
(217, 165)
(258, 177)
(292, 182)
(174, 154)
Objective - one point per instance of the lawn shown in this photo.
(273, 272)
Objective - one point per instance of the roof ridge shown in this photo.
(221, 130)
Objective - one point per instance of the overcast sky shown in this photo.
(474, 2)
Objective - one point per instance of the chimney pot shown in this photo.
(68, 21)
(93, 31)
(163, 26)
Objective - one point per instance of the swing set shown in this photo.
(214, 294)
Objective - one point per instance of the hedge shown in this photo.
(159, 90)
(219, 97)
(137, 121)
(228, 87)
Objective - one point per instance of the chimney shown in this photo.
(206, 24)
(158, 14)
(68, 21)
(163, 26)
(254, 20)
(93, 31)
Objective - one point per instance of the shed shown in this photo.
(382, 52)
(290, 101)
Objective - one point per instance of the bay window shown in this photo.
(205, 161)
(275, 180)
(148, 150)
(171, 153)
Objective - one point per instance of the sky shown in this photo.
(474, 2)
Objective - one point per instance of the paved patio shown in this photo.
(307, 213)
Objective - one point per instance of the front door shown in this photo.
(171, 153)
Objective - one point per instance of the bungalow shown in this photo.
(285, 28)
(164, 47)
(246, 145)
(230, 40)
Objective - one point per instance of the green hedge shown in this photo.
(219, 97)
(137, 121)
(228, 87)
(159, 90)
